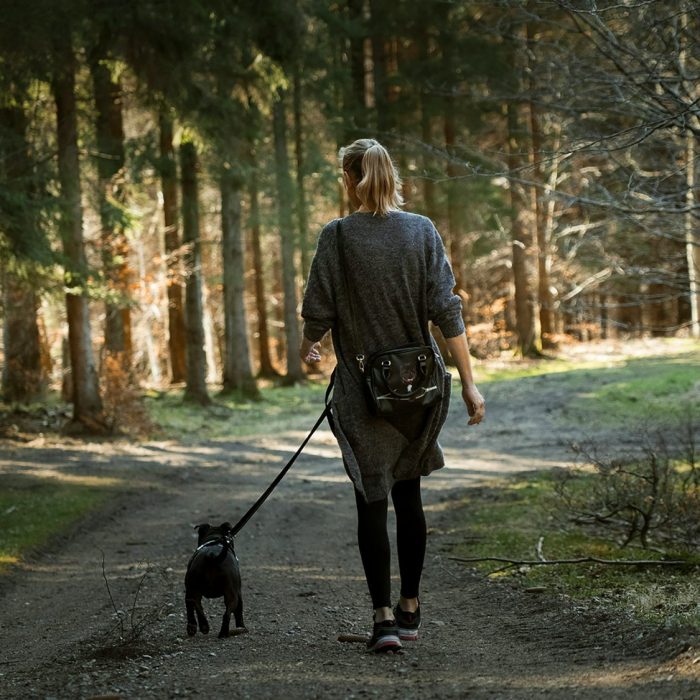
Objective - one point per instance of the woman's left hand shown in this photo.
(310, 352)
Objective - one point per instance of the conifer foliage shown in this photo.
(165, 170)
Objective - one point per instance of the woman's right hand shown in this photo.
(309, 351)
(476, 406)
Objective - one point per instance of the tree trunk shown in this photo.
(692, 237)
(177, 341)
(109, 130)
(284, 210)
(355, 107)
(87, 405)
(237, 370)
(196, 371)
(23, 376)
(521, 234)
(379, 27)
(266, 367)
(426, 112)
(302, 216)
(603, 304)
(455, 223)
(543, 256)
(690, 225)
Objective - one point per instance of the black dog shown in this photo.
(213, 572)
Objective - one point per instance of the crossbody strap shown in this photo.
(359, 352)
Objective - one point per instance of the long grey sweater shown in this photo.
(400, 278)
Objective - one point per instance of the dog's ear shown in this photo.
(202, 530)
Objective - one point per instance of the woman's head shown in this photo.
(370, 170)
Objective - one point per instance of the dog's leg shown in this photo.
(238, 613)
(201, 617)
(231, 602)
(191, 622)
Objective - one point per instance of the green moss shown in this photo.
(34, 509)
(508, 519)
(607, 395)
(525, 368)
(657, 388)
(232, 416)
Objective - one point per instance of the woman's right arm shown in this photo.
(459, 350)
(445, 311)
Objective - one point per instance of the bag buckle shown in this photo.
(361, 362)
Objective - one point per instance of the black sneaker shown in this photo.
(408, 623)
(385, 638)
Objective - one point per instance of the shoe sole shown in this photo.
(388, 643)
(408, 635)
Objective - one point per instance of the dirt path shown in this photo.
(302, 586)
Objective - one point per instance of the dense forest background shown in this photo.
(166, 166)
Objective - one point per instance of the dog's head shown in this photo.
(207, 532)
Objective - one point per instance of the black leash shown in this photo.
(254, 508)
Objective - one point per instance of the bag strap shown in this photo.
(327, 413)
(360, 354)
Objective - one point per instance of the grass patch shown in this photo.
(604, 394)
(522, 369)
(34, 509)
(508, 519)
(643, 390)
(230, 416)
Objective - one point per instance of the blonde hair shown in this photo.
(377, 181)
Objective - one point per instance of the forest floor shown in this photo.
(302, 576)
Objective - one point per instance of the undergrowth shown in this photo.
(511, 517)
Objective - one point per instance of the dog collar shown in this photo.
(224, 542)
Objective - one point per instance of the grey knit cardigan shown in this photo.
(400, 278)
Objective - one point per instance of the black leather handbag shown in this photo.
(398, 380)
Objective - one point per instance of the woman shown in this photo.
(399, 278)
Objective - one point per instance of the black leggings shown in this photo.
(373, 540)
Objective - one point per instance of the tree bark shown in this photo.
(302, 214)
(237, 369)
(87, 405)
(543, 255)
(266, 367)
(690, 225)
(455, 223)
(426, 113)
(23, 376)
(284, 211)
(355, 101)
(109, 130)
(692, 237)
(196, 371)
(176, 316)
(522, 246)
(379, 27)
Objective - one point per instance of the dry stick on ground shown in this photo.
(581, 560)
(120, 622)
(538, 549)
(136, 629)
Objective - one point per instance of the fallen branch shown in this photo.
(581, 560)
(538, 549)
